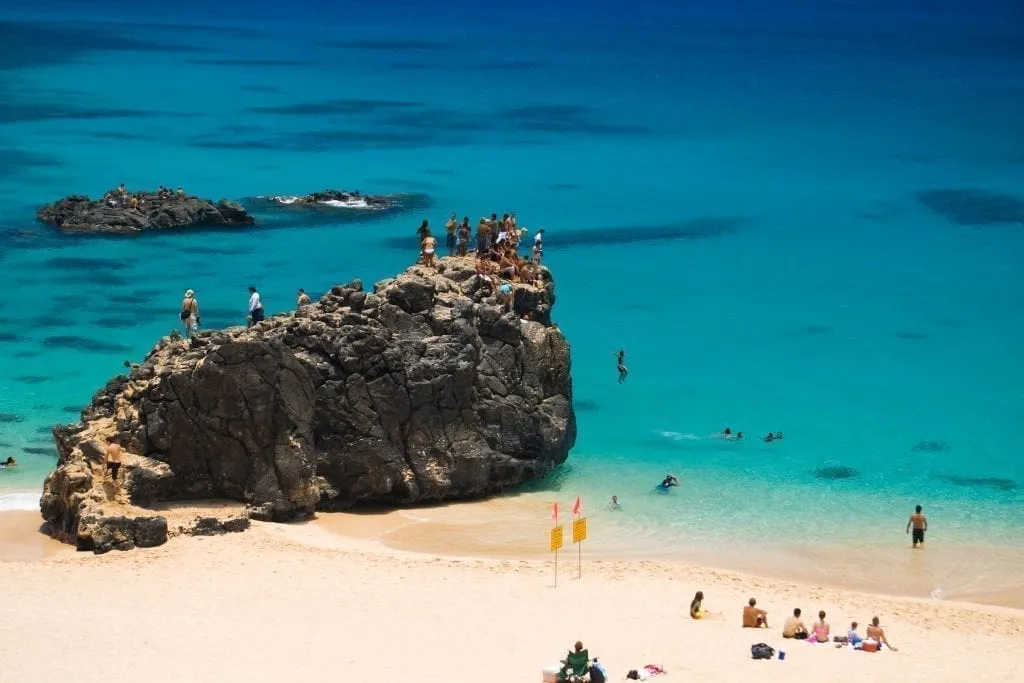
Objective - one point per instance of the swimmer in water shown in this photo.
(623, 370)
(10, 462)
(768, 438)
(669, 481)
(614, 505)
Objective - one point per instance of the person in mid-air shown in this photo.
(623, 370)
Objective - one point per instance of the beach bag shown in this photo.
(597, 674)
(762, 651)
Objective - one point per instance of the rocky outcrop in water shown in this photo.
(331, 207)
(121, 213)
(427, 389)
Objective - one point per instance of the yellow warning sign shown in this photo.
(556, 538)
(579, 530)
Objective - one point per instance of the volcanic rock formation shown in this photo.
(122, 214)
(427, 389)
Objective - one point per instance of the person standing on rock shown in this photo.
(429, 245)
(304, 299)
(451, 227)
(463, 237)
(538, 246)
(423, 231)
(255, 307)
(113, 459)
(189, 313)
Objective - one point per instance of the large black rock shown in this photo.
(425, 390)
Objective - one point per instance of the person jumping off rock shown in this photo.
(623, 370)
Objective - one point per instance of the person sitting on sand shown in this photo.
(794, 627)
(754, 616)
(10, 462)
(574, 662)
(877, 634)
(697, 606)
(820, 628)
(852, 637)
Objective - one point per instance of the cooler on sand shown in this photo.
(550, 674)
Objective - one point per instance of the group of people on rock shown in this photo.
(254, 313)
(496, 238)
(122, 198)
(498, 241)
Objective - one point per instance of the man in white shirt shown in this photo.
(538, 246)
(255, 307)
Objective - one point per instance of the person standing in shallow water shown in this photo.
(920, 525)
(623, 370)
(255, 307)
(303, 300)
(190, 313)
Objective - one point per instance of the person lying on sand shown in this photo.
(648, 671)
(794, 627)
(754, 616)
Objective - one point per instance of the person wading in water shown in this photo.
(190, 313)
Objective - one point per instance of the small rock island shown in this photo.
(432, 387)
(340, 199)
(120, 212)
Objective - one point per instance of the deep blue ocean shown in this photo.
(793, 216)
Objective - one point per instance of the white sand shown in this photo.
(293, 603)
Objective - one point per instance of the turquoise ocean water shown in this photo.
(731, 194)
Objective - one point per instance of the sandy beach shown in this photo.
(326, 599)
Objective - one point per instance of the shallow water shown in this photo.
(738, 199)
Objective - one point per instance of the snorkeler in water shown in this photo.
(623, 370)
